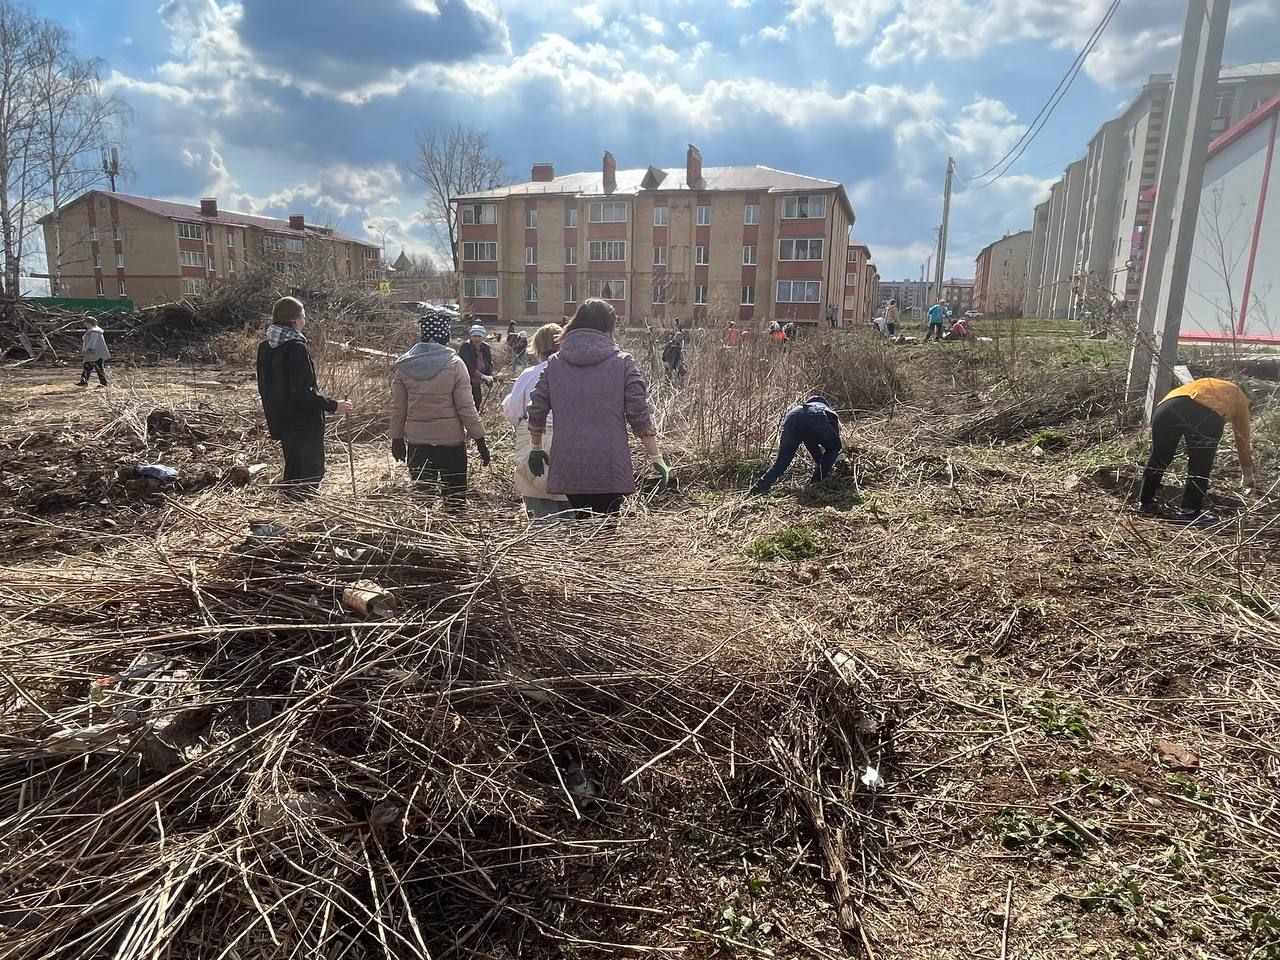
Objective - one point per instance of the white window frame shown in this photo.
(371, 253)
(471, 288)
(617, 288)
(294, 245)
(700, 294)
(852, 257)
(850, 279)
(789, 248)
(850, 303)
(805, 286)
(190, 231)
(119, 261)
(472, 250)
(570, 256)
(231, 238)
(748, 298)
(599, 208)
(570, 292)
(93, 235)
(101, 288)
(701, 256)
(800, 206)
(661, 216)
(97, 261)
(530, 256)
(659, 294)
(282, 266)
(660, 255)
(123, 291)
(750, 255)
(531, 219)
(479, 213)
(116, 232)
(751, 214)
(570, 218)
(192, 286)
(607, 251)
(192, 258)
(531, 293)
(704, 214)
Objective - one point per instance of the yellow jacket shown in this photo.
(1228, 401)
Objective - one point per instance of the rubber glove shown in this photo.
(538, 462)
(483, 449)
(486, 378)
(399, 450)
(663, 471)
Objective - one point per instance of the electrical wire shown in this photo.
(1046, 111)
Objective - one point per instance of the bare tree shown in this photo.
(53, 120)
(450, 163)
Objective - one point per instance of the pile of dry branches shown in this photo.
(213, 755)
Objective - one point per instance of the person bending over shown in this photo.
(814, 424)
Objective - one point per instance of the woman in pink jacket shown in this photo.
(596, 390)
(433, 413)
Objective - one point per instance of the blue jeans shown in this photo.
(819, 436)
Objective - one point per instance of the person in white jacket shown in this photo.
(96, 354)
(537, 501)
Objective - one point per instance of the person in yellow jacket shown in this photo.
(1197, 413)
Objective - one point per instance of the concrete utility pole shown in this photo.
(942, 232)
(1177, 208)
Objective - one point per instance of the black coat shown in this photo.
(468, 354)
(287, 385)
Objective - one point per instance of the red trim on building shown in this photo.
(1268, 109)
(1264, 338)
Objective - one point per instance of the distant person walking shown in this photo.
(891, 317)
(93, 349)
(732, 335)
(293, 405)
(1197, 413)
(518, 350)
(538, 501)
(673, 358)
(595, 391)
(813, 424)
(937, 314)
(478, 357)
(432, 413)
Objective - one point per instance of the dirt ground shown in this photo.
(1081, 705)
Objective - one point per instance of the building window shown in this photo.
(294, 245)
(799, 291)
(700, 293)
(850, 279)
(607, 289)
(480, 288)
(659, 294)
(608, 211)
(802, 249)
(700, 255)
(192, 286)
(530, 293)
(280, 266)
(97, 261)
(748, 295)
(571, 218)
(116, 232)
(704, 215)
(192, 258)
(853, 256)
(101, 290)
(659, 256)
(530, 256)
(292, 269)
(749, 255)
(570, 295)
(1222, 103)
(480, 250)
(1124, 208)
(607, 250)
(119, 261)
(1119, 241)
(123, 292)
(93, 233)
(479, 213)
(570, 256)
(812, 207)
(531, 223)
(659, 216)
(231, 238)
(190, 231)
(751, 213)
(849, 302)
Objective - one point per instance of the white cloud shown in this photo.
(589, 14)
(687, 28)
(852, 21)
(652, 24)
(740, 4)
(778, 33)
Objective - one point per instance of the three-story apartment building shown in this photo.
(708, 244)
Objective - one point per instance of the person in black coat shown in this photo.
(475, 353)
(293, 405)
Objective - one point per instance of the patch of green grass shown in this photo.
(792, 543)
(1048, 439)
(1057, 719)
(1096, 786)
(1052, 835)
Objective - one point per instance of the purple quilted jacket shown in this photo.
(595, 390)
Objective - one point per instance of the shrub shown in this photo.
(793, 543)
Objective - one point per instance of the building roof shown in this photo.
(632, 182)
(184, 211)
(1261, 115)
(1007, 236)
(1241, 71)
(953, 282)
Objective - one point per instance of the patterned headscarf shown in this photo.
(435, 327)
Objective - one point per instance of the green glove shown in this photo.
(538, 462)
(663, 471)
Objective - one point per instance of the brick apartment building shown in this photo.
(860, 283)
(154, 251)
(1000, 274)
(1095, 224)
(703, 243)
(958, 294)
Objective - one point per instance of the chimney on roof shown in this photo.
(209, 207)
(297, 221)
(543, 173)
(610, 171)
(693, 167)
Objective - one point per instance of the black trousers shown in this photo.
(476, 395)
(1201, 427)
(90, 366)
(442, 467)
(589, 504)
(303, 461)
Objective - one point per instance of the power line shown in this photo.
(1055, 98)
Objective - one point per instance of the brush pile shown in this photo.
(504, 754)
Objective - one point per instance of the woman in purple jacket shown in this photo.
(595, 390)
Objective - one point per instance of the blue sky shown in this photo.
(311, 106)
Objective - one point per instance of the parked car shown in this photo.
(416, 307)
(972, 314)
